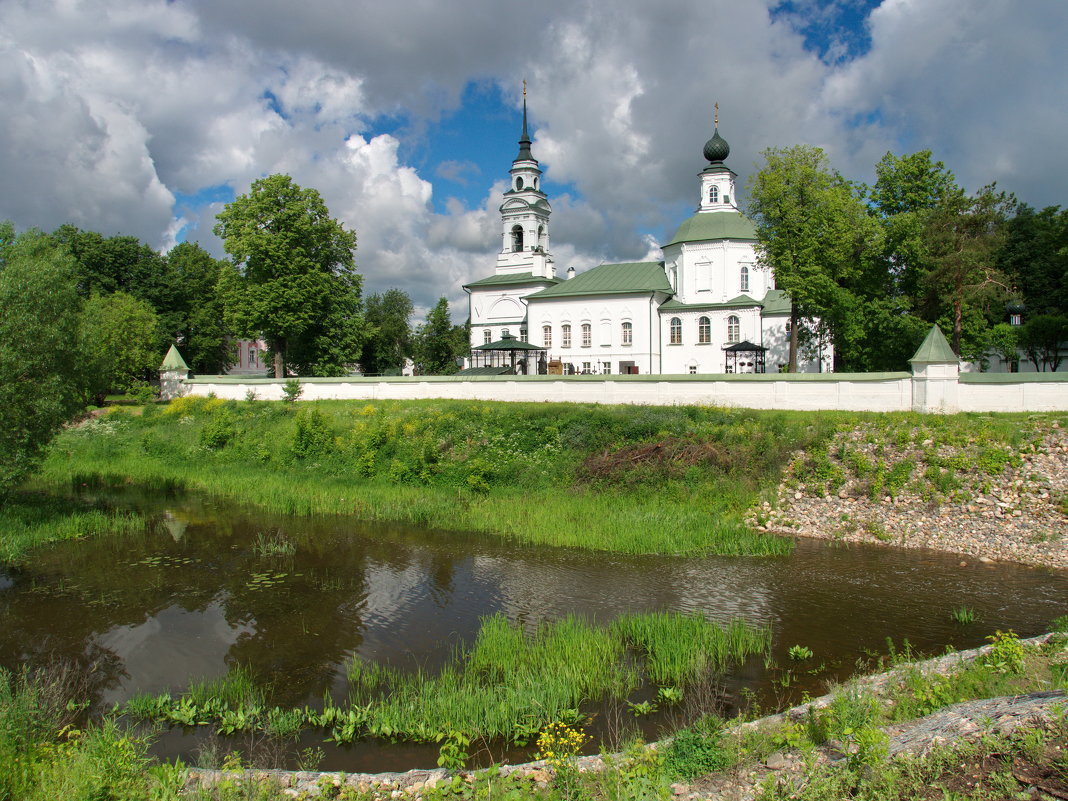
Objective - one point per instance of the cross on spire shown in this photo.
(716, 118)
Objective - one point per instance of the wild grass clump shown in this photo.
(44, 755)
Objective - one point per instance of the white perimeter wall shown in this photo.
(881, 392)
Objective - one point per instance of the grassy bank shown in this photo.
(630, 479)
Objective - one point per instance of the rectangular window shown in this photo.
(606, 368)
(628, 334)
(251, 357)
(547, 336)
(587, 335)
(487, 336)
(586, 368)
(693, 369)
(565, 336)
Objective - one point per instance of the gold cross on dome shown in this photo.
(717, 113)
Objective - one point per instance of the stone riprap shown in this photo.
(1015, 515)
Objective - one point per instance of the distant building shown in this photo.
(706, 307)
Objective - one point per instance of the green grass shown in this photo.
(507, 686)
(630, 479)
(30, 519)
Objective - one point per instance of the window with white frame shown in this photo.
(586, 368)
(547, 336)
(587, 335)
(627, 337)
(713, 194)
(704, 331)
(733, 329)
(693, 369)
(487, 336)
(565, 335)
(675, 331)
(606, 368)
(523, 333)
(743, 279)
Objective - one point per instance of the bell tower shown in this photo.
(525, 215)
(717, 179)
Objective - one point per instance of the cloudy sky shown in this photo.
(144, 116)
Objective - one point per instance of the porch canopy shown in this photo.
(745, 357)
(509, 352)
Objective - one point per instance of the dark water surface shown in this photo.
(191, 597)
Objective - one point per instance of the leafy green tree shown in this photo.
(815, 232)
(119, 336)
(1005, 342)
(197, 320)
(1034, 257)
(389, 320)
(295, 283)
(964, 236)
(439, 345)
(40, 382)
(1042, 338)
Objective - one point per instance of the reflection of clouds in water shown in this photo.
(602, 586)
(6, 581)
(171, 649)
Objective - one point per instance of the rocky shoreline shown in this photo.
(1019, 514)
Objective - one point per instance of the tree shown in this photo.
(1034, 256)
(964, 236)
(1042, 338)
(119, 334)
(439, 345)
(389, 319)
(295, 283)
(814, 231)
(1005, 342)
(198, 323)
(40, 382)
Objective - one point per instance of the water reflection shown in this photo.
(198, 593)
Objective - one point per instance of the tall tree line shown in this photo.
(871, 268)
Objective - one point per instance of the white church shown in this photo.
(707, 307)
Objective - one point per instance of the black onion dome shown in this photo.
(716, 148)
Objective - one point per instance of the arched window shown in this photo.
(713, 194)
(535, 183)
(487, 336)
(547, 336)
(587, 335)
(541, 237)
(628, 334)
(733, 329)
(517, 238)
(519, 183)
(675, 331)
(704, 331)
(565, 335)
(743, 279)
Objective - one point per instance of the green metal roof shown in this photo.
(714, 225)
(513, 278)
(935, 349)
(734, 303)
(611, 279)
(777, 302)
(173, 361)
(507, 342)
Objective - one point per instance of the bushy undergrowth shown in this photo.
(633, 479)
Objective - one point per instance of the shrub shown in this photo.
(696, 751)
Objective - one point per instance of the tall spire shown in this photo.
(524, 140)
